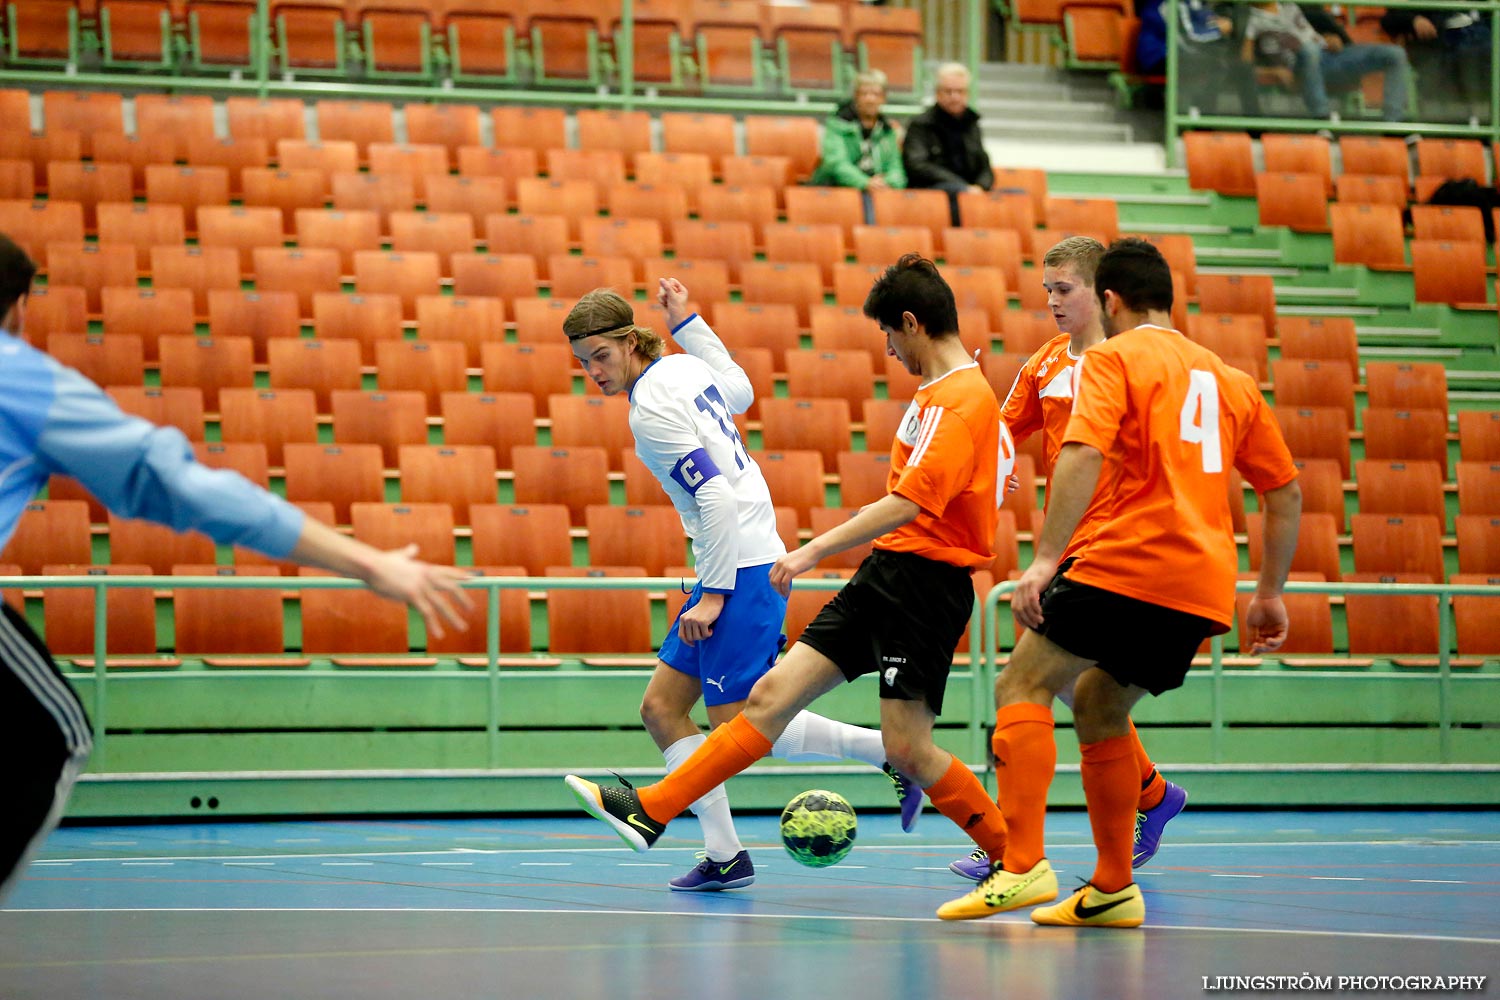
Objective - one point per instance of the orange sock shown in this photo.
(1111, 786)
(959, 796)
(1153, 785)
(730, 749)
(1025, 757)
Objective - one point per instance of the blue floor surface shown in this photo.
(538, 906)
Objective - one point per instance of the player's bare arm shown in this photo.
(1074, 481)
(886, 514)
(396, 574)
(1266, 617)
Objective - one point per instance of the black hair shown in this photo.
(1136, 271)
(913, 285)
(16, 271)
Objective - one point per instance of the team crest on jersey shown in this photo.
(910, 424)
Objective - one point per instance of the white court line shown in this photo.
(973, 927)
(1218, 875)
(348, 864)
(915, 848)
(546, 864)
(299, 840)
(1334, 878)
(449, 864)
(1439, 881)
(148, 864)
(249, 864)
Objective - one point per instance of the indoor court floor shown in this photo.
(556, 907)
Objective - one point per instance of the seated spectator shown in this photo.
(1315, 49)
(1207, 54)
(944, 148)
(861, 146)
(1452, 47)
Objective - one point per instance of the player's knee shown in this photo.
(657, 714)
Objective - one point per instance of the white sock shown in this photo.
(812, 737)
(719, 839)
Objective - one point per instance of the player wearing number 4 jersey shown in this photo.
(729, 631)
(1164, 420)
(1041, 401)
(906, 607)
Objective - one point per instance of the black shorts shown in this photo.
(1098, 625)
(901, 615)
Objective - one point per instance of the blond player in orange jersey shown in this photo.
(1041, 399)
(1164, 420)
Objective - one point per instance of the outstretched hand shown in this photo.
(399, 575)
(673, 297)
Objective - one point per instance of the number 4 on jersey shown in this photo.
(1198, 421)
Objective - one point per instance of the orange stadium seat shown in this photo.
(321, 365)
(841, 206)
(1478, 433)
(286, 190)
(92, 267)
(431, 367)
(1314, 383)
(1452, 273)
(470, 321)
(797, 284)
(646, 536)
(87, 112)
(806, 424)
(1390, 624)
(1300, 154)
(541, 236)
(429, 526)
(17, 180)
(200, 269)
(407, 275)
(387, 419)
(240, 228)
(795, 479)
(539, 321)
(1400, 488)
(1452, 158)
(515, 621)
(863, 476)
(333, 229)
(1220, 161)
(1408, 385)
(1398, 543)
(340, 474)
(539, 129)
(846, 375)
(1475, 618)
(55, 309)
(1316, 432)
(357, 621)
(304, 273)
(711, 135)
(534, 535)
(142, 226)
(1232, 335)
(541, 370)
(271, 417)
(149, 544)
(1376, 154)
(440, 233)
(1458, 223)
(753, 205)
(845, 328)
(625, 132)
(499, 421)
(174, 406)
(574, 477)
(573, 277)
(1407, 435)
(598, 620)
(478, 197)
(774, 172)
(226, 621)
(1320, 338)
(48, 532)
(1479, 488)
(884, 245)
(270, 119)
(795, 138)
(582, 421)
(383, 194)
(456, 475)
(601, 167)
(130, 614)
(573, 200)
(148, 313)
(1297, 201)
(1369, 234)
(88, 184)
(1317, 544)
(1370, 189)
(248, 458)
(1478, 540)
(208, 363)
(817, 243)
(368, 319)
(117, 359)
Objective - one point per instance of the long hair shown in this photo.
(604, 312)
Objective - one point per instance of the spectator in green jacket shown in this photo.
(861, 146)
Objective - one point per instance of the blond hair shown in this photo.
(1081, 253)
(870, 78)
(604, 312)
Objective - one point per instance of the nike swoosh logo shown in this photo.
(1090, 912)
(729, 867)
(638, 824)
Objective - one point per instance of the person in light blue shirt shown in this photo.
(53, 420)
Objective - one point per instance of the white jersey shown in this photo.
(682, 415)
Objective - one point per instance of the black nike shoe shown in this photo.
(620, 808)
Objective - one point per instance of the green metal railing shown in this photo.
(627, 95)
(984, 625)
(1179, 119)
(1444, 678)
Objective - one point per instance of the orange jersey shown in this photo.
(1171, 419)
(945, 459)
(1041, 398)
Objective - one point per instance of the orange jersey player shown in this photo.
(1157, 425)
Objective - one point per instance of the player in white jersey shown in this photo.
(728, 634)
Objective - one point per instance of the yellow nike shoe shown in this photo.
(1088, 907)
(1002, 891)
(620, 808)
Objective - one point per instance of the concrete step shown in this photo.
(1043, 129)
(1081, 113)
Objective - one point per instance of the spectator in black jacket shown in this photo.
(1451, 48)
(944, 148)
